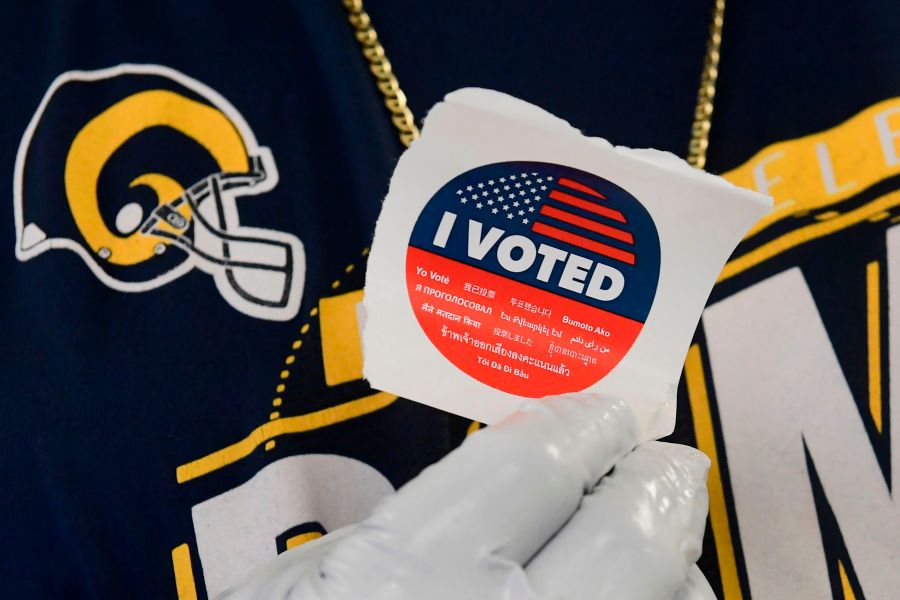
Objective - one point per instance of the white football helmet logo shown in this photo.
(127, 196)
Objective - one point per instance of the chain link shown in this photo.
(402, 117)
(394, 98)
(706, 95)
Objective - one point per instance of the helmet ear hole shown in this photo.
(129, 218)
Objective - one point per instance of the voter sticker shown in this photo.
(533, 278)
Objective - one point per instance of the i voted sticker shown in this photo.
(533, 278)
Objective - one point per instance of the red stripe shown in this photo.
(609, 213)
(583, 242)
(580, 187)
(608, 231)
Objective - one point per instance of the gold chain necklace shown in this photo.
(402, 117)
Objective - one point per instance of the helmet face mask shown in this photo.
(253, 268)
(259, 272)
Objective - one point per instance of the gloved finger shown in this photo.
(508, 488)
(636, 535)
(696, 587)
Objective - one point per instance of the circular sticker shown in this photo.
(533, 278)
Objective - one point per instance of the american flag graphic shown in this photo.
(558, 208)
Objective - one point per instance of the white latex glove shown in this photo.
(552, 503)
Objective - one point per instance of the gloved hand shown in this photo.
(553, 502)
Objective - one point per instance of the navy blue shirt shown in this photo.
(174, 413)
